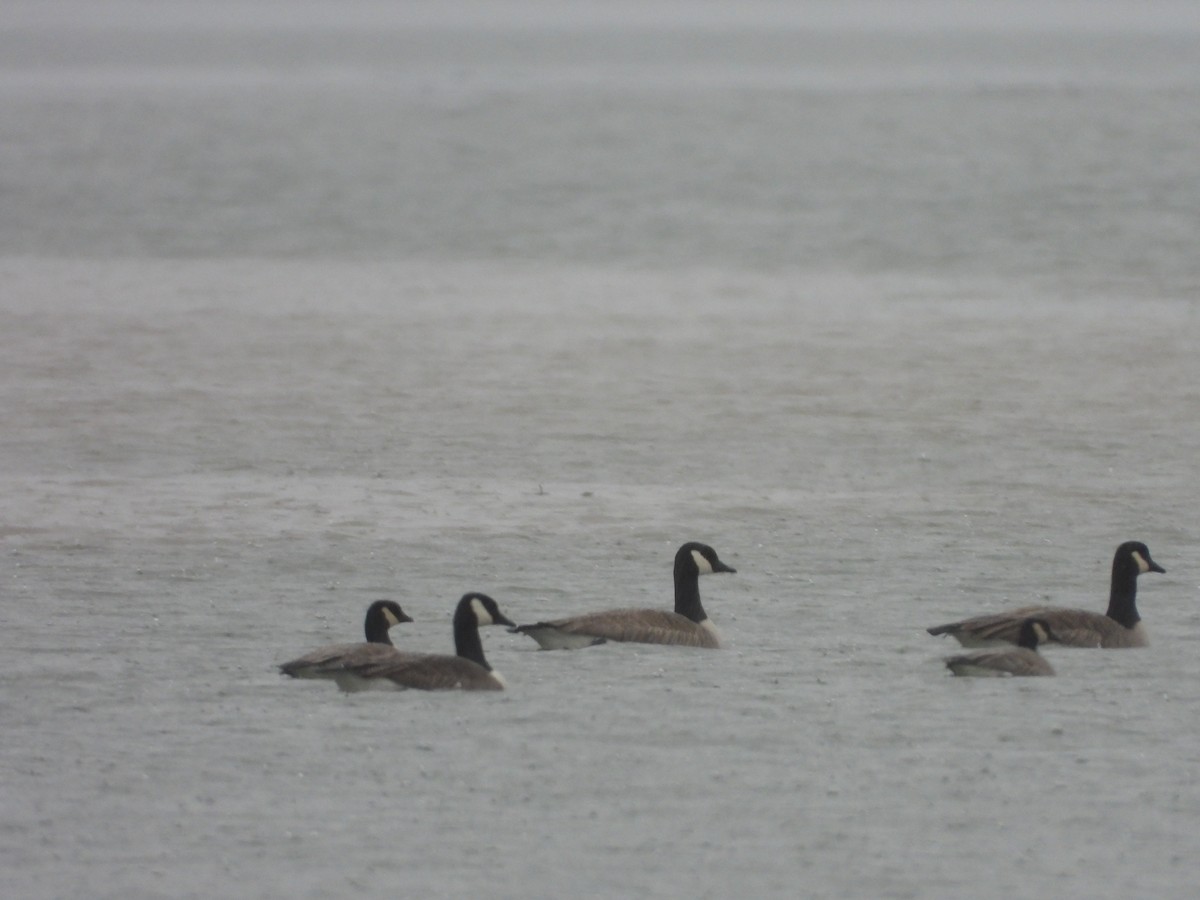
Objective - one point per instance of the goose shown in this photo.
(326, 661)
(1121, 626)
(469, 670)
(688, 625)
(1020, 660)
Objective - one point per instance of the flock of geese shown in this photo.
(1009, 640)
(1029, 626)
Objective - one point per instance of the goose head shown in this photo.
(1034, 632)
(382, 615)
(1135, 556)
(481, 609)
(695, 558)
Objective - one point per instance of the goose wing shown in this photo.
(1081, 628)
(327, 660)
(646, 626)
(982, 631)
(432, 672)
(1070, 627)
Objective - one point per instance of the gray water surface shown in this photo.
(291, 322)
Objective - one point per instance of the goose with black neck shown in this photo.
(467, 670)
(688, 625)
(327, 661)
(1121, 626)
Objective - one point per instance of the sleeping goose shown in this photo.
(326, 661)
(469, 670)
(1121, 626)
(688, 625)
(1020, 660)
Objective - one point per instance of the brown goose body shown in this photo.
(687, 626)
(423, 672)
(1120, 627)
(325, 662)
(646, 626)
(1071, 627)
(1020, 661)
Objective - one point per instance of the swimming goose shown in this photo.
(326, 661)
(688, 625)
(469, 670)
(1121, 626)
(1022, 659)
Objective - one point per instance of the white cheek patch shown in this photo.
(481, 614)
(702, 564)
(1040, 633)
(1143, 566)
(390, 617)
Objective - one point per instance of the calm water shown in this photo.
(901, 320)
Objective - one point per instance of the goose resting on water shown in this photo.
(325, 662)
(688, 625)
(1121, 626)
(1020, 660)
